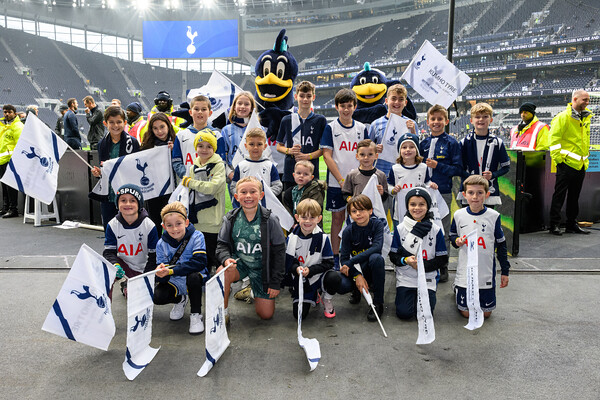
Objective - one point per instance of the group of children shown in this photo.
(249, 239)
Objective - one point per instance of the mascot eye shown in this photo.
(266, 68)
(280, 69)
(375, 80)
(363, 80)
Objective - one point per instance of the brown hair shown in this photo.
(437, 109)
(481, 108)
(398, 90)
(71, 101)
(256, 133)
(345, 96)
(114, 111)
(359, 202)
(308, 207)
(88, 99)
(174, 207)
(250, 97)
(366, 143)
(305, 87)
(149, 138)
(249, 179)
(476, 180)
(198, 99)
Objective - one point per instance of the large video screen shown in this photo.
(191, 39)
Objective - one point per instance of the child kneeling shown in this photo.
(251, 241)
(416, 230)
(183, 270)
(309, 256)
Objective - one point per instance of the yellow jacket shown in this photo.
(569, 139)
(9, 136)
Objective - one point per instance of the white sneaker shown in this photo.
(179, 309)
(196, 323)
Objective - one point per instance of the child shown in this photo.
(183, 152)
(206, 178)
(362, 264)
(396, 101)
(306, 188)
(256, 165)
(300, 133)
(483, 153)
(443, 158)
(239, 115)
(417, 229)
(160, 133)
(357, 179)
(408, 172)
(131, 237)
(339, 142)
(309, 256)
(187, 271)
(476, 216)
(116, 144)
(252, 235)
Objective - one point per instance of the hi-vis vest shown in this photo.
(527, 140)
(136, 129)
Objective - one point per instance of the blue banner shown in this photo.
(191, 39)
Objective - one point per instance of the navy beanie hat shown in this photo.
(135, 107)
(133, 190)
(421, 192)
(411, 137)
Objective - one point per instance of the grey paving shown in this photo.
(541, 342)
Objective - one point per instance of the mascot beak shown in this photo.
(370, 92)
(271, 88)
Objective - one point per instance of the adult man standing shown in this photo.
(71, 125)
(94, 118)
(59, 128)
(570, 147)
(136, 124)
(530, 133)
(10, 130)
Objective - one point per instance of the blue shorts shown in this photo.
(335, 200)
(487, 299)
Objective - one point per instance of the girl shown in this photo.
(416, 230)
(160, 133)
(239, 115)
(410, 171)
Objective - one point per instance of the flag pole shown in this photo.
(370, 301)
(154, 271)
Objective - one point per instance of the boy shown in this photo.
(490, 238)
(309, 257)
(362, 264)
(10, 131)
(253, 236)
(443, 158)
(483, 153)
(300, 133)
(256, 165)
(184, 153)
(182, 248)
(306, 188)
(396, 101)
(357, 179)
(131, 237)
(339, 142)
(206, 178)
(116, 144)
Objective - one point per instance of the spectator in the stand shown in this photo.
(71, 125)
(569, 145)
(94, 118)
(10, 130)
(60, 127)
(530, 133)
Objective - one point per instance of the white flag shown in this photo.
(439, 208)
(242, 152)
(434, 77)
(140, 308)
(149, 169)
(272, 203)
(475, 312)
(311, 346)
(220, 90)
(217, 340)
(182, 195)
(82, 310)
(33, 167)
(371, 192)
(424, 316)
(395, 128)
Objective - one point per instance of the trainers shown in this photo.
(444, 274)
(329, 311)
(371, 315)
(196, 323)
(178, 309)
(354, 296)
(243, 294)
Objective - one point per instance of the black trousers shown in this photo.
(165, 293)
(10, 196)
(569, 182)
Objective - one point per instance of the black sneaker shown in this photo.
(444, 274)
(371, 315)
(124, 288)
(354, 296)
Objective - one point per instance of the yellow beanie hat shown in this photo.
(206, 135)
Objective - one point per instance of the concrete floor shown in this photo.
(540, 343)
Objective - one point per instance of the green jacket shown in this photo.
(569, 139)
(9, 136)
